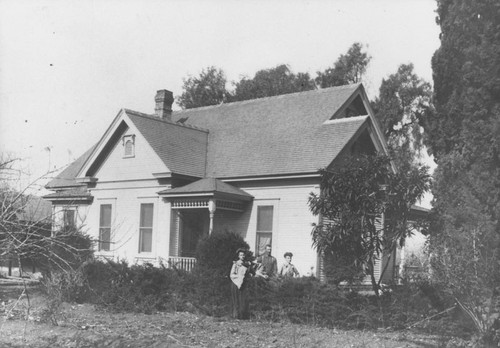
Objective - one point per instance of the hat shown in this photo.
(241, 250)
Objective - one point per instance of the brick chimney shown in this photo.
(164, 100)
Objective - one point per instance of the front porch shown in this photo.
(193, 216)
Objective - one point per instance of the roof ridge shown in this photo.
(248, 101)
(156, 118)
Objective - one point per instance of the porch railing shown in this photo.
(183, 263)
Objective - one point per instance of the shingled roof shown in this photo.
(208, 186)
(67, 177)
(284, 134)
(80, 193)
(280, 135)
(182, 148)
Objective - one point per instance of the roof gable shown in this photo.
(108, 146)
(182, 148)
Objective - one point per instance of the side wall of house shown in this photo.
(125, 181)
(125, 199)
(292, 220)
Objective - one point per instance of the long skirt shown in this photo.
(239, 302)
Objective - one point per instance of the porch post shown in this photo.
(211, 209)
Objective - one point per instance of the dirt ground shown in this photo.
(75, 325)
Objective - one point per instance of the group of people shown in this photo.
(266, 267)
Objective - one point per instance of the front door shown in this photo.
(194, 224)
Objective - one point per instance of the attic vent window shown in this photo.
(128, 146)
(355, 108)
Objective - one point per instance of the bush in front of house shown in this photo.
(65, 249)
(120, 287)
(144, 288)
(308, 301)
(148, 289)
(138, 288)
(60, 256)
(216, 252)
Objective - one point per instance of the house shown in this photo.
(29, 216)
(154, 184)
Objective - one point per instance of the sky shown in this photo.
(68, 67)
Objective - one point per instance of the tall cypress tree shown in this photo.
(464, 136)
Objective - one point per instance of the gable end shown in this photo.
(106, 150)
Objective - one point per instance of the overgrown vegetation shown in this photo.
(147, 289)
(119, 287)
(365, 208)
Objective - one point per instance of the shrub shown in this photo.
(138, 288)
(65, 250)
(304, 301)
(147, 289)
(216, 252)
(342, 267)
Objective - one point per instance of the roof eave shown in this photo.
(313, 174)
(72, 199)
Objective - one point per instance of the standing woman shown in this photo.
(239, 287)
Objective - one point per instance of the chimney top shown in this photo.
(164, 100)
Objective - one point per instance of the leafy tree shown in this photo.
(209, 88)
(464, 137)
(348, 68)
(352, 202)
(271, 82)
(404, 100)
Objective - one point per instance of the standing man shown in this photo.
(268, 264)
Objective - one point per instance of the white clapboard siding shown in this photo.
(292, 222)
(117, 167)
(125, 219)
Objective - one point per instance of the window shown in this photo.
(105, 227)
(129, 146)
(264, 227)
(146, 228)
(68, 218)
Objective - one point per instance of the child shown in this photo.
(288, 270)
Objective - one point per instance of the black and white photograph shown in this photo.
(302, 173)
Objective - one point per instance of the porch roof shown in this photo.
(207, 187)
(417, 212)
(73, 195)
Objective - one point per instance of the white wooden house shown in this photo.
(154, 184)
